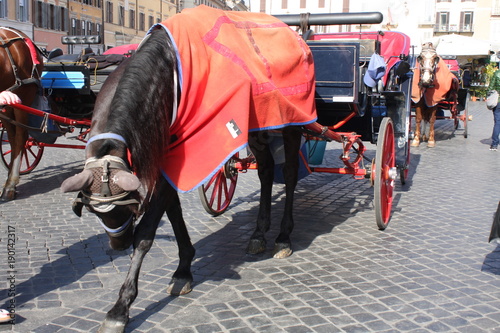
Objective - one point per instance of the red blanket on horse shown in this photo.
(442, 84)
(239, 72)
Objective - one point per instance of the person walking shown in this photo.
(495, 85)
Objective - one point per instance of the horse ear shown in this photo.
(77, 182)
(126, 181)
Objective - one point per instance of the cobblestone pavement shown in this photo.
(431, 270)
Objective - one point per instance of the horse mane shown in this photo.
(141, 108)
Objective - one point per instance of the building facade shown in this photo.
(420, 20)
(119, 22)
(101, 23)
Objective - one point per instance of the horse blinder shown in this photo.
(116, 188)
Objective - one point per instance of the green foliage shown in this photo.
(490, 69)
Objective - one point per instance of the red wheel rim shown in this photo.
(30, 157)
(217, 193)
(384, 173)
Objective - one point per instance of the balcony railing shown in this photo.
(453, 28)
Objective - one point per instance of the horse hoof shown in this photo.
(282, 250)
(179, 287)
(431, 144)
(256, 246)
(112, 326)
(8, 195)
(415, 143)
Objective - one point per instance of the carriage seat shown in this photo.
(54, 53)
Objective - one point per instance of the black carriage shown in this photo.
(349, 111)
(456, 105)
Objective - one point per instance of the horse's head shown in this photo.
(428, 60)
(108, 189)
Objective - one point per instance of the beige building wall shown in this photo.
(127, 21)
(16, 14)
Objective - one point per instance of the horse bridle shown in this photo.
(105, 201)
(19, 82)
(427, 69)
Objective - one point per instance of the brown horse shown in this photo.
(21, 65)
(434, 83)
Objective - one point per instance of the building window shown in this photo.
(121, 16)
(22, 10)
(442, 21)
(109, 12)
(142, 21)
(321, 3)
(495, 10)
(284, 4)
(466, 21)
(3, 9)
(303, 4)
(131, 18)
(63, 22)
(75, 27)
(151, 20)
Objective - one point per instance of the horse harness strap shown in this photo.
(19, 82)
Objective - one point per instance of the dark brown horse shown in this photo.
(21, 65)
(432, 84)
(131, 117)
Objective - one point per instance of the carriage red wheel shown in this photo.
(217, 193)
(385, 173)
(31, 156)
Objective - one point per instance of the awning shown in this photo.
(463, 46)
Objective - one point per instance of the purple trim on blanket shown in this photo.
(282, 126)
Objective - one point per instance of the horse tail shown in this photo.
(142, 105)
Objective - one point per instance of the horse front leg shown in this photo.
(259, 144)
(418, 121)
(17, 137)
(291, 139)
(117, 318)
(431, 143)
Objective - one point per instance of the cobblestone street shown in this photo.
(431, 270)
